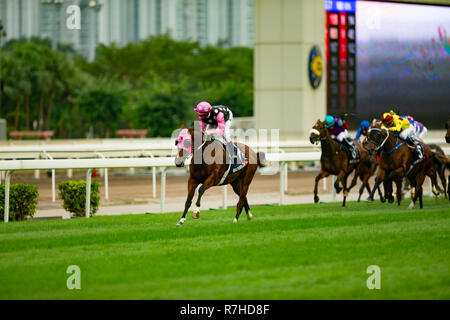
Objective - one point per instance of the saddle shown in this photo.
(235, 161)
(352, 150)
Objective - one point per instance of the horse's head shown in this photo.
(318, 132)
(184, 145)
(375, 139)
(447, 126)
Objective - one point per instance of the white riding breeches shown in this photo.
(421, 134)
(340, 136)
(407, 132)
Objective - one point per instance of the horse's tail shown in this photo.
(261, 156)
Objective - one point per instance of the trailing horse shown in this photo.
(395, 161)
(334, 160)
(440, 163)
(209, 167)
(447, 139)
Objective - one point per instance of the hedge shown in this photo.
(22, 201)
(73, 194)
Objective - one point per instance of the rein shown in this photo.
(395, 148)
(397, 145)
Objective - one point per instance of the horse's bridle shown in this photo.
(317, 132)
(379, 145)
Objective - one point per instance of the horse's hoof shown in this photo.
(196, 213)
(234, 220)
(338, 190)
(391, 200)
(249, 216)
(369, 199)
(181, 222)
(382, 199)
(316, 199)
(411, 205)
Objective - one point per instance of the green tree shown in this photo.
(163, 107)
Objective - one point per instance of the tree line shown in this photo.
(152, 85)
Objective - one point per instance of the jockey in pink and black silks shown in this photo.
(216, 120)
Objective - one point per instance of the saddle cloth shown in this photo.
(237, 163)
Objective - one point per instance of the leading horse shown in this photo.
(209, 166)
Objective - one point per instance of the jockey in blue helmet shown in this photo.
(363, 129)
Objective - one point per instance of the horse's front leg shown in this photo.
(209, 182)
(192, 184)
(322, 174)
(378, 179)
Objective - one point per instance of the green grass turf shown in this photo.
(314, 251)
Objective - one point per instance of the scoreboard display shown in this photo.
(383, 56)
(341, 55)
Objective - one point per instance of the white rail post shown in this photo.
(106, 177)
(7, 185)
(333, 189)
(148, 153)
(154, 181)
(88, 192)
(286, 178)
(53, 177)
(224, 196)
(282, 182)
(163, 188)
(69, 171)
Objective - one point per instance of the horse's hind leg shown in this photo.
(399, 184)
(448, 187)
(339, 178)
(247, 209)
(243, 189)
(361, 190)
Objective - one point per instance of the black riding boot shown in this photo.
(418, 152)
(351, 149)
(230, 151)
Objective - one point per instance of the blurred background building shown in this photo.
(228, 22)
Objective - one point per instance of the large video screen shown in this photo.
(403, 61)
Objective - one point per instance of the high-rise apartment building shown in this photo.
(229, 22)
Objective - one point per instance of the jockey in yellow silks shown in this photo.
(403, 128)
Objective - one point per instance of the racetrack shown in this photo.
(313, 251)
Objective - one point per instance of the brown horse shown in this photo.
(447, 139)
(447, 127)
(395, 160)
(209, 167)
(334, 160)
(440, 163)
(365, 172)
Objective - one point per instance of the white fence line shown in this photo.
(162, 162)
(154, 162)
